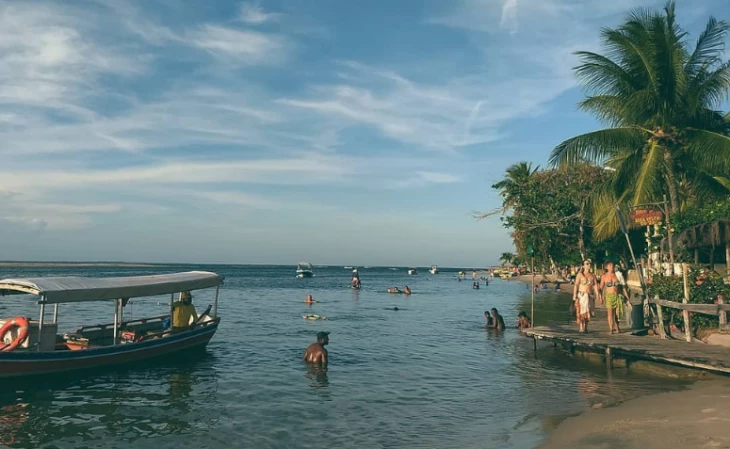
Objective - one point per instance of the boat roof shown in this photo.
(77, 289)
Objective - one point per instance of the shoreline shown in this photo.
(81, 264)
(696, 416)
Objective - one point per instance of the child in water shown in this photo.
(523, 321)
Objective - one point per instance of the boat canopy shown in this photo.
(77, 289)
(304, 266)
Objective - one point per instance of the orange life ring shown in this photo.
(22, 324)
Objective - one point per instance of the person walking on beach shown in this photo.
(316, 352)
(585, 285)
(614, 300)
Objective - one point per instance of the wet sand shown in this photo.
(695, 418)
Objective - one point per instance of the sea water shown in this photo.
(428, 375)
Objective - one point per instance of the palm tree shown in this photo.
(515, 179)
(507, 258)
(660, 102)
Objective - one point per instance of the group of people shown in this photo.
(496, 321)
(588, 288)
(406, 290)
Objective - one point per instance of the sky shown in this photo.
(338, 132)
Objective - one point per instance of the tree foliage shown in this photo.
(549, 210)
(659, 95)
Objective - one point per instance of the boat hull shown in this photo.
(21, 364)
(304, 274)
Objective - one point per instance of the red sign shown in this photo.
(647, 217)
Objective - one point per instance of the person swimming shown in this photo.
(309, 300)
(407, 290)
(394, 290)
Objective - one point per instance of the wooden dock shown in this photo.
(710, 358)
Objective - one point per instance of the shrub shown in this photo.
(704, 286)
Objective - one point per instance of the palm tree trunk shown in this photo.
(581, 238)
(671, 182)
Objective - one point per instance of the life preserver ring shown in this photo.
(23, 326)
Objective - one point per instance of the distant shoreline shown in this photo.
(80, 264)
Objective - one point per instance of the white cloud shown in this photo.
(48, 59)
(246, 46)
(509, 16)
(424, 178)
(253, 14)
(440, 116)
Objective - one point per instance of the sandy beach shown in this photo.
(695, 418)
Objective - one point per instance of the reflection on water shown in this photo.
(318, 376)
(130, 404)
(429, 375)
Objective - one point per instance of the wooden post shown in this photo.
(685, 300)
(669, 233)
(534, 343)
(660, 315)
(722, 313)
(727, 257)
(532, 306)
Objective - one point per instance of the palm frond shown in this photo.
(597, 146)
(709, 149)
(709, 48)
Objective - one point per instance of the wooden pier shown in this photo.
(710, 358)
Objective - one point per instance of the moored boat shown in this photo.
(434, 269)
(304, 270)
(412, 272)
(30, 347)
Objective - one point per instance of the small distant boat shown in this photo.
(434, 269)
(412, 272)
(304, 270)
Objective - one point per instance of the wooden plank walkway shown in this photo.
(700, 356)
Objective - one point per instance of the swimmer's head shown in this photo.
(323, 338)
(522, 315)
(494, 312)
(395, 308)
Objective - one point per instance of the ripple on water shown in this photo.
(429, 376)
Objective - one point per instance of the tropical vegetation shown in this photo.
(659, 96)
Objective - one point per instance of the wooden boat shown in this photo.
(36, 347)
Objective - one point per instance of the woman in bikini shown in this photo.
(614, 300)
(585, 285)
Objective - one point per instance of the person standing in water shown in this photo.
(316, 352)
(614, 300)
(497, 321)
(585, 285)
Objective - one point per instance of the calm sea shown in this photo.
(426, 376)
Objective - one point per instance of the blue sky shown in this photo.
(334, 131)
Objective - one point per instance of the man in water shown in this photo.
(309, 300)
(407, 290)
(316, 352)
(182, 311)
(497, 321)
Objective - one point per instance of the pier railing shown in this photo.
(718, 309)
